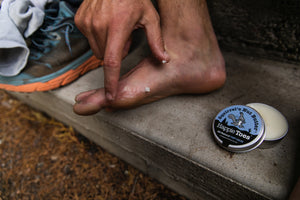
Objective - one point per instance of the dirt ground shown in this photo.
(41, 158)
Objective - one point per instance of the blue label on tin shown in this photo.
(237, 125)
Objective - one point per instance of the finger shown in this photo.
(126, 48)
(95, 47)
(88, 25)
(155, 39)
(116, 41)
(83, 17)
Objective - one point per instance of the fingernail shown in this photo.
(167, 58)
(109, 96)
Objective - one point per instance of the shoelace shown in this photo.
(43, 39)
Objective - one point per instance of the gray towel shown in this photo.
(18, 20)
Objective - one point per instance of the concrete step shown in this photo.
(171, 139)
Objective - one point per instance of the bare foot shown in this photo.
(196, 66)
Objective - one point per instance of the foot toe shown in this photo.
(90, 102)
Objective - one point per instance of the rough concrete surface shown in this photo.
(268, 28)
(171, 139)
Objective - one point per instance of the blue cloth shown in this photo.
(18, 20)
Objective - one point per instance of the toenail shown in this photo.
(81, 96)
(79, 102)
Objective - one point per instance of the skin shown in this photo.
(195, 63)
(296, 191)
(108, 26)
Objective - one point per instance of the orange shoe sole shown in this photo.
(64, 79)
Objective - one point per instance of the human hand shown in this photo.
(108, 25)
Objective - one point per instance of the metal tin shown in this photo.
(239, 128)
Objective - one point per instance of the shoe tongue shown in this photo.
(64, 10)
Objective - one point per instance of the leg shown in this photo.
(196, 63)
(296, 191)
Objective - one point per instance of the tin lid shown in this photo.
(238, 128)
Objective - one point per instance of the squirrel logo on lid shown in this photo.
(237, 121)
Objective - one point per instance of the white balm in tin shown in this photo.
(240, 128)
(276, 125)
